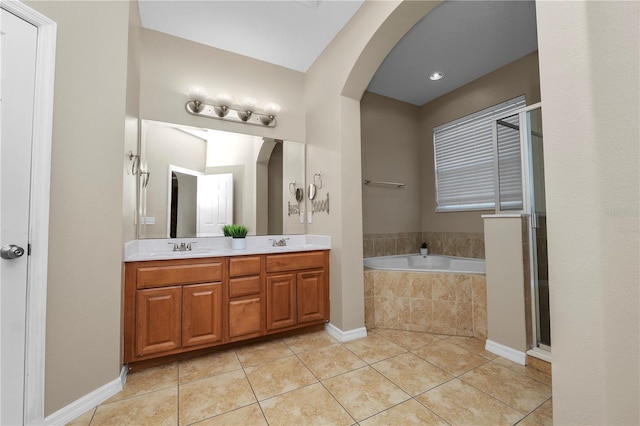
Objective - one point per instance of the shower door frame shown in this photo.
(537, 349)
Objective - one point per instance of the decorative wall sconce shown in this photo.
(223, 107)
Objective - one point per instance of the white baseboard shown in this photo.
(345, 336)
(506, 352)
(87, 402)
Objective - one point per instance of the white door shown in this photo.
(18, 60)
(215, 204)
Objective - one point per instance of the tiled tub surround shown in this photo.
(462, 244)
(443, 303)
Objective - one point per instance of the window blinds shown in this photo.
(464, 161)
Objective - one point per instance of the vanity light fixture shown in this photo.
(223, 107)
(436, 75)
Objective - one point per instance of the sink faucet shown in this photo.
(182, 246)
(279, 243)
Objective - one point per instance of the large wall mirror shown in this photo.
(195, 180)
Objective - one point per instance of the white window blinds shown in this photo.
(464, 162)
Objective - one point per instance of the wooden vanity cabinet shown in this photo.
(245, 297)
(172, 305)
(176, 306)
(297, 289)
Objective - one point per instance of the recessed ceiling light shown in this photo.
(436, 75)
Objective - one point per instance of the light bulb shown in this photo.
(223, 103)
(197, 94)
(271, 109)
(248, 104)
(224, 99)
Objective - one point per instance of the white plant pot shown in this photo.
(238, 243)
(424, 251)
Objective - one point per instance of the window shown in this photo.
(464, 163)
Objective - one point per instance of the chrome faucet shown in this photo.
(279, 243)
(183, 246)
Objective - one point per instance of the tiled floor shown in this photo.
(390, 377)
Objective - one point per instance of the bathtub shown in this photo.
(436, 294)
(431, 263)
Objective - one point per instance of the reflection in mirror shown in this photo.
(311, 191)
(203, 179)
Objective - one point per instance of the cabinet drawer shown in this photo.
(244, 286)
(160, 276)
(295, 261)
(245, 318)
(242, 266)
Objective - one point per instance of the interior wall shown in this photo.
(275, 191)
(333, 87)
(589, 67)
(187, 205)
(514, 79)
(390, 152)
(84, 284)
(292, 171)
(170, 65)
(132, 126)
(167, 145)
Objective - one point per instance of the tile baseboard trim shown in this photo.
(345, 336)
(87, 402)
(506, 352)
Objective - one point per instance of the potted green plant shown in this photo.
(423, 249)
(238, 234)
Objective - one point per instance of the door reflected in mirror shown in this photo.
(203, 179)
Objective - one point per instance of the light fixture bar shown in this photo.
(207, 110)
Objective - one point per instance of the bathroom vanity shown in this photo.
(214, 296)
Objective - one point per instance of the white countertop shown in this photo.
(162, 248)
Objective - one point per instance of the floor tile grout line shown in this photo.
(480, 390)
(522, 374)
(514, 372)
(246, 376)
(492, 396)
(434, 413)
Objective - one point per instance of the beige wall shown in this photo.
(390, 147)
(507, 322)
(131, 129)
(166, 146)
(512, 80)
(85, 238)
(589, 67)
(333, 87)
(170, 65)
(292, 170)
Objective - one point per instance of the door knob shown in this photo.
(11, 251)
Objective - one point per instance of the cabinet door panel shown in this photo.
(202, 314)
(311, 296)
(281, 301)
(245, 318)
(157, 320)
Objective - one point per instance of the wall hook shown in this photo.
(317, 178)
(135, 162)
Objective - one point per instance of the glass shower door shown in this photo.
(519, 182)
(538, 226)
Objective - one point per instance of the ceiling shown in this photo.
(463, 39)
